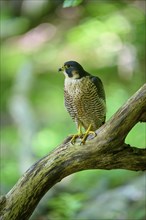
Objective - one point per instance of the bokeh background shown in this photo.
(37, 37)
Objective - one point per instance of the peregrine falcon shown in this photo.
(84, 99)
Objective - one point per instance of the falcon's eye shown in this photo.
(68, 65)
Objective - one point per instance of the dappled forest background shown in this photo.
(37, 37)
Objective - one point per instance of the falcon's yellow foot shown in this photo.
(75, 136)
(86, 135)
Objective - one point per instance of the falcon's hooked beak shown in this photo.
(61, 69)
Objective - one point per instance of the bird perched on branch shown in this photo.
(84, 99)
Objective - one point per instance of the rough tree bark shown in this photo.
(107, 150)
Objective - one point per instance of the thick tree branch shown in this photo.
(106, 151)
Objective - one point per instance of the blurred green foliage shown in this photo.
(65, 206)
(37, 37)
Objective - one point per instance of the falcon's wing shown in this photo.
(101, 94)
(100, 89)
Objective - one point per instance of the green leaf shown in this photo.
(71, 3)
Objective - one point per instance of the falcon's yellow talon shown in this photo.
(87, 133)
(75, 136)
(81, 135)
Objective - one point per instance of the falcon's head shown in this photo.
(73, 70)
